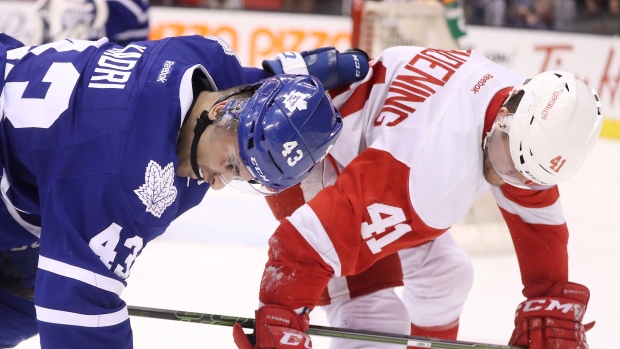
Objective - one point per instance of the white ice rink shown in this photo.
(211, 261)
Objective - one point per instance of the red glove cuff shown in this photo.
(278, 326)
(281, 316)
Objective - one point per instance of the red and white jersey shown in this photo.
(383, 274)
(410, 162)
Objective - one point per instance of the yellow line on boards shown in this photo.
(611, 128)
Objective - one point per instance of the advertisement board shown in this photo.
(594, 59)
(254, 36)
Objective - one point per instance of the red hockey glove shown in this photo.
(553, 321)
(276, 327)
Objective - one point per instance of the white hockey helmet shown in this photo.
(546, 140)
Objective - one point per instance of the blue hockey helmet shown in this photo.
(287, 127)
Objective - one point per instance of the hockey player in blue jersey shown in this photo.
(103, 146)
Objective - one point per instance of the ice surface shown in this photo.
(211, 261)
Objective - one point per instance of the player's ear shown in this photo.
(216, 109)
(503, 111)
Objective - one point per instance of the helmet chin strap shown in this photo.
(201, 125)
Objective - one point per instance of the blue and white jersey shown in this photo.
(128, 20)
(88, 144)
(121, 21)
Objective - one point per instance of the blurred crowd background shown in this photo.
(581, 16)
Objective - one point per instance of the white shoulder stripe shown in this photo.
(134, 34)
(81, 274)
(4, 188)
(74, 319)
(309, 226)
(545, 215)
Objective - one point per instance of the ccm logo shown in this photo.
(357, 66)
(541, 304)
(481, 83)
(258, 170)
(289, 338)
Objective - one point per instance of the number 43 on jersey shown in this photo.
(105, 243)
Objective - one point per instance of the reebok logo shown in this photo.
(163, 73)
(480, 84)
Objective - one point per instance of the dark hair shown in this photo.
(513, 101)
(239, 92)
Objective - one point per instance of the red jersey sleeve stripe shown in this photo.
(531, 198)
(310, 227)
(551, 214)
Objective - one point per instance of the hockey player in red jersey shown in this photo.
(368, 300)
(425, 134)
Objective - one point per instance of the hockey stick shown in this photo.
(334, 332)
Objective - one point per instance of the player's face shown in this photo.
(489, 173)
(498, 165)
(497, 155)
(219, 161)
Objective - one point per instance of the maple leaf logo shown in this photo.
(158, 192)
(296, 100)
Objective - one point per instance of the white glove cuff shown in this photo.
(292, 63)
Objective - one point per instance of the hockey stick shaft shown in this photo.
(333, 332)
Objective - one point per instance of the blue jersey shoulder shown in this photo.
(116, 113)
(127, 21)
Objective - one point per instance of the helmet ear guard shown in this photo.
(555, 126)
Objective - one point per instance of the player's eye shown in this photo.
(233, 167)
